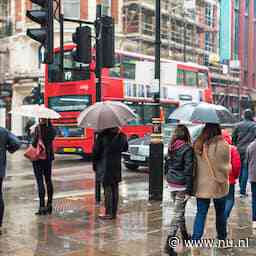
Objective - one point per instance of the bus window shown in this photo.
(168, 109)
(128, 88)
(128, 66)
(141, 91)
(149, 111)
(202, 79)
(69, 102)
(73, 71)
(69, 131)
(149, 93)
(180, 77)
(190, 78)
(138, 110)
(116, 70)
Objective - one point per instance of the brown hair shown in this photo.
(181, 132)
(209, 132)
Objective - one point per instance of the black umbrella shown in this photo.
(203, 113)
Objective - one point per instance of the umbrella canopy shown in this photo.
(37, 111)
(203, 113)
(106, 114)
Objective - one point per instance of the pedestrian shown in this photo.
(233, 174)
(109, 145)
(244, 133)
(211, 180)
(179, 176)
(43, 168)
(251, 158)
(8, 142)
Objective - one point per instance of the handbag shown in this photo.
(38, 152)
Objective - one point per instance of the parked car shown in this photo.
(138, 152)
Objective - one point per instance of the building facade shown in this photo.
(216, 33)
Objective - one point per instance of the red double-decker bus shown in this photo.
(73, 91)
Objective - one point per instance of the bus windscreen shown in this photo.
(69, 102)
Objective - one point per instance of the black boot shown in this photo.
(168, 249)
(49, 209)
(41, 211)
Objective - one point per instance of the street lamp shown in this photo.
(156, 143)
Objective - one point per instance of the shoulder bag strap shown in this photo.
(205, 155)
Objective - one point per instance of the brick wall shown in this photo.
(84, 9)
(114, 9)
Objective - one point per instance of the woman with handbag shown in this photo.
(43, 136)
(211, 180)
(179, 167)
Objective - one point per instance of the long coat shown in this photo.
(212, 182)
(6, 140)
(251, 157)
(107, 156)
(48, 134)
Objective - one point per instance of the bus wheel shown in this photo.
(131, 166)
(133, 137)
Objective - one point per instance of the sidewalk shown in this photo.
(74, 229)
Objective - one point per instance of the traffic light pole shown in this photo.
(61, 20)
(98, 28)
(156, 143)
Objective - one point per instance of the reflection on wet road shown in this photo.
(74, 229)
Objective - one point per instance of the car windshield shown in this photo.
(167, 134)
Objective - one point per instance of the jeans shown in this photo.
(230, 200)
(243, 178)
(43, 174)
(1, 202)
(253, 187)
(111, 193)
(202, 210)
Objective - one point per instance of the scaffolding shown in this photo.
(195, 29)
(5, 24)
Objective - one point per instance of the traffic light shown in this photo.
(82, 39)
(36, 95)
(108, 41)
(43, 35)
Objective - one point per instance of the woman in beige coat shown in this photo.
(211, 179)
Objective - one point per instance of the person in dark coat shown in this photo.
(179, 176)
(43, 168)
(244, 133)
(109, 145)
(10, 142)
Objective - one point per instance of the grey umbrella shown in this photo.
(106, 114)
(203, 113)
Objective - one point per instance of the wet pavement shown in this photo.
(74, 229)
